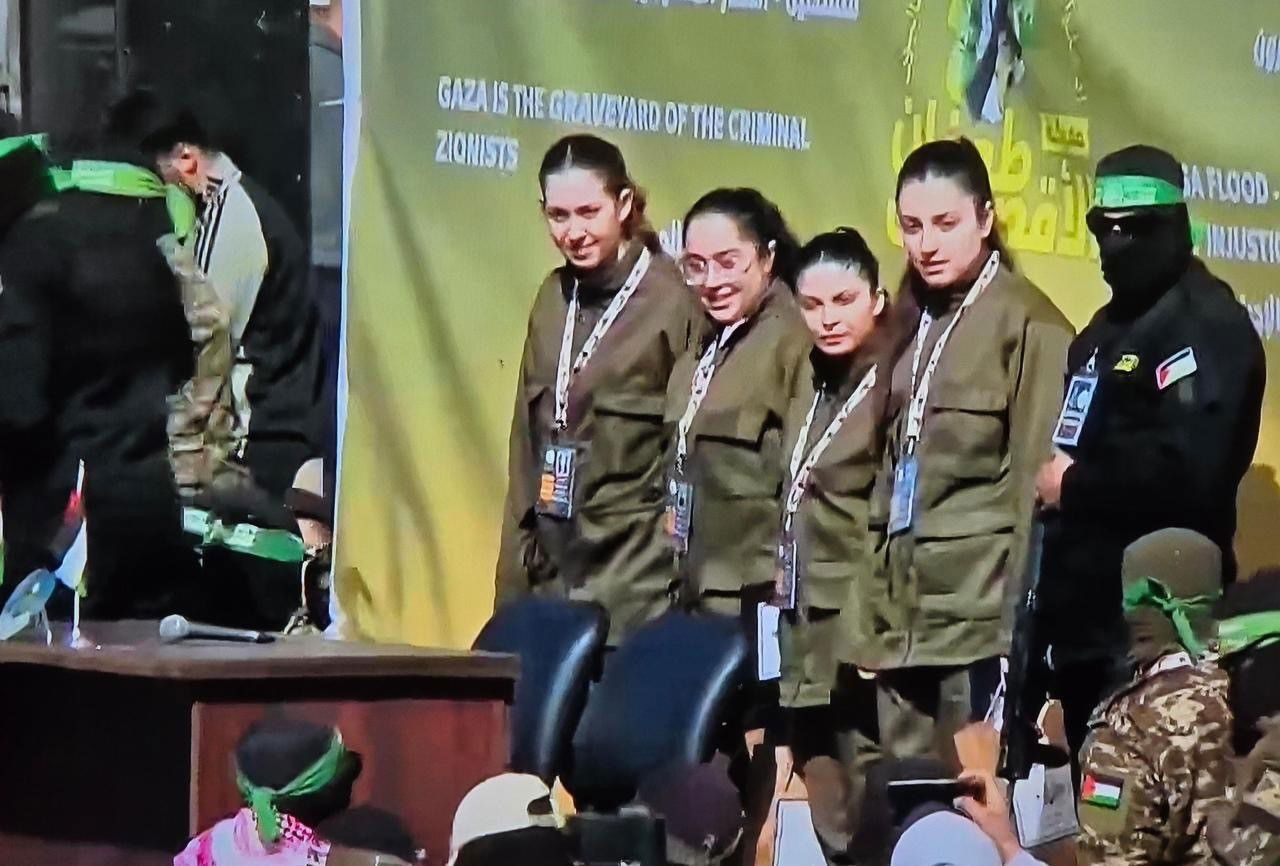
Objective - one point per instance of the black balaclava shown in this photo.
(1145, 253)
(24, 177)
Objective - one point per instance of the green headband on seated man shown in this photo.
(262, 800)
(1149, 592)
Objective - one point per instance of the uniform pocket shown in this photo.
(967, 429)
(963, 578)
(627, 441)
(738, 453)
(827, 585)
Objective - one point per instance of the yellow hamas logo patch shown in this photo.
(1126, 364)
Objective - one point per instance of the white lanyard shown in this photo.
(698, 390)
(801, 466)
(565, 373)
(920, 390)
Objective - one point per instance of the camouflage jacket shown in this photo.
(1246, 830)
(1156, 762)
(201, 423)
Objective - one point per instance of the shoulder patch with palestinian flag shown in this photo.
(1102, 791)
(1179, 365)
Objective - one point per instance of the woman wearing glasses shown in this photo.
(584, 503)
(727, 400)
(726, 404)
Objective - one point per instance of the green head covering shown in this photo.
(1248, 631)
(122, 178)
(1125, 191)
(1171, 580)
(40, 141)
(263, 800)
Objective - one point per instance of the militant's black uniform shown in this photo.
(92, 342)
(1169, 433)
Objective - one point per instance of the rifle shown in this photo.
(1024, 689)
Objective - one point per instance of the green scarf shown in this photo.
(1248, 630)
(262, 800)
(1149, 592)
(121, 178)
(280, 545)
(8, 145)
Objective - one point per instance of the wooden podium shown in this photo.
(118, 752)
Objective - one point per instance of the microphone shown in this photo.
(174, 628)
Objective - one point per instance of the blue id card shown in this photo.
(902, 505)
(1075, 410)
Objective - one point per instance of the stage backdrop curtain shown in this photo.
(816, 103)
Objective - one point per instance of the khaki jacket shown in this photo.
(945, 590)
(613, 550)
(831, 527)
(735, 459)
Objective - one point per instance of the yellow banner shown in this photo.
(816, 102)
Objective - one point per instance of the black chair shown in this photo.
(661, 700)
(559, 644)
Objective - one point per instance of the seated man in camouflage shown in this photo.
(1157, 757)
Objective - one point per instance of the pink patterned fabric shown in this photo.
(235, 842)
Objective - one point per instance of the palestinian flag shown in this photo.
(1101, 791)
(70, 544)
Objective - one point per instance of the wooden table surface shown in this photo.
(133, 648)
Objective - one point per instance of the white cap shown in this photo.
(945, 839)
(511, 801)
(310, 475)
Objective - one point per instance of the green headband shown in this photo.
(1119, 191)
(39, 140)
(314, 778)
(280, 545)
(1248, 630)
(121, 178)
(1149, 592)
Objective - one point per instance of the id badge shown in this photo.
(768, 642)
(1075, 409)
(679, 516)
(784, 575)
(902, 504)
(555, 485)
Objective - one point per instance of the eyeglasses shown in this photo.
(731, 263)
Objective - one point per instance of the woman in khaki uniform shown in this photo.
(974, 393)
(727, 400)
(834, 440)
(726, 404)
(584, 503)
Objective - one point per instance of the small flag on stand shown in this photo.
(72, 539)
(75, 528)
